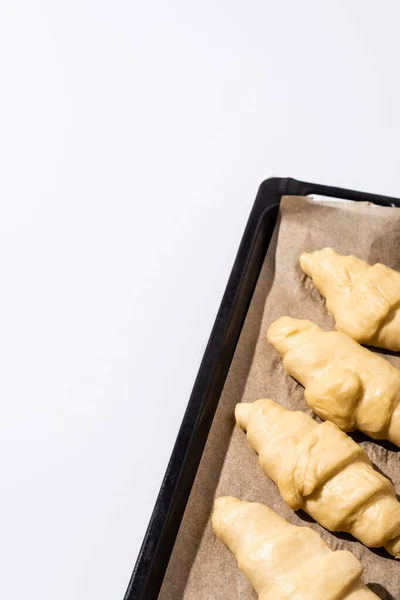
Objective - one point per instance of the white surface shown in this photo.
(133, 137)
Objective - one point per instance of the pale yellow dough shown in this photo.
(282, 561)
(364, 299)
(320, 469)
(344, 382)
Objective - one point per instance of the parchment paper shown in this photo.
(201, 567)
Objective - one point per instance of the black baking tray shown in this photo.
(164, 524)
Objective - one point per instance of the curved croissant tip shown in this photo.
(274, 329)
(242, 412)
(306, 263)
(222, 507)
(307, 259)
(283, 332)
(224, 501)
(281, 328)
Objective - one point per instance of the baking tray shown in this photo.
(167, 515)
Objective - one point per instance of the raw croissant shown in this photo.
(344, 382)
(282, 561)
(364, 299)
(319, 468)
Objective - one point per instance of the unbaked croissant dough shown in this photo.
(285, 562)
(344, 382)
(319, 468)
(364, 299)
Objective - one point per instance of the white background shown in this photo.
(133, 137)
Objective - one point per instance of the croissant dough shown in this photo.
(364, 299)
(344, 382)
(319, 468)
(282, 561)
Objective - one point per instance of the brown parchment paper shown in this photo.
(201, 567)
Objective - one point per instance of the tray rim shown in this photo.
(157, 545)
